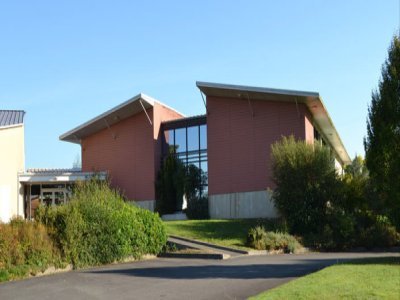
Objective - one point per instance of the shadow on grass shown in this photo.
(392, 260)
(224, 229)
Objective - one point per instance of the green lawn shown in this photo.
(361, 279)
(231, 233)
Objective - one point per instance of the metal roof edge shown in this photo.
(344, 157)
(142, 96)
(203, 84)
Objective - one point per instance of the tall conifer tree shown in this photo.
(382, 144)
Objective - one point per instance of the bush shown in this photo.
(197, 208)
(98, 227)
(260, 239)
(256, 238)
(380, 233)
(328, 211)
(306, 183)
(25, 247)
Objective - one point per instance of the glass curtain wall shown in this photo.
(189, 144)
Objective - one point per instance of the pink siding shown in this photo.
(133, 157)
(309, 129)
(239, 144)
(161, 114)
(129, 158)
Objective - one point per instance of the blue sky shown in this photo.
(64, 62)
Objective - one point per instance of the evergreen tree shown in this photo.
(382, 144)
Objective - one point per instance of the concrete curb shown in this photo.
(219, 256)
(223, 248)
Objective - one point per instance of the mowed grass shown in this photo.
(361, 279)
(231, 233)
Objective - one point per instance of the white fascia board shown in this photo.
(11, 126)
(53, 178)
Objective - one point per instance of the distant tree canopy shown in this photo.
(382, 144)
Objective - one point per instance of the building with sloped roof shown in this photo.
(231, 144)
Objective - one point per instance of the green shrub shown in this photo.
(197, 208)
(306, 182)
(25, 247)
(281, 241)
(98, 227)
(380, 233)
(256, 238)
(260, 239)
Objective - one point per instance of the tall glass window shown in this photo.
(188, 141)
(193, 138)
(203, 137)
(180, 140)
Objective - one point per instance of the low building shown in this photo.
(22, 191)
(12, 161)
(231, 143)
(50, 187)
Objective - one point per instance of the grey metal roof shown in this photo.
(312, 100)
(11, 117)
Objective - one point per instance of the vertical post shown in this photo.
(199, 149)
(30, 201)
(187, 157)
(174, 142)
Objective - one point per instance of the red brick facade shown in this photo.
(130, 151)
(239, 142)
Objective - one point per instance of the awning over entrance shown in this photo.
(51, 186)
(58, 175)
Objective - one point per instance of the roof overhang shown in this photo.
(59, 177)
(312, 100)
(131, 107)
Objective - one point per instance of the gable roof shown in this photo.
(11, 117)
(313, 101)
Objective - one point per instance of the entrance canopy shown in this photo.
(58, 175)
(50, 186)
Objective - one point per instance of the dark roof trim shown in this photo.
(185, 122)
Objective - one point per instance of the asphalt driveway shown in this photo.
(166, 278)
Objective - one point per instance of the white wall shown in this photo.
(257, 204)
(12, 161)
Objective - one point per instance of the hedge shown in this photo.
(97, 227)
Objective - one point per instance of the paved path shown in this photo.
(206, 247)
(236, 278)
